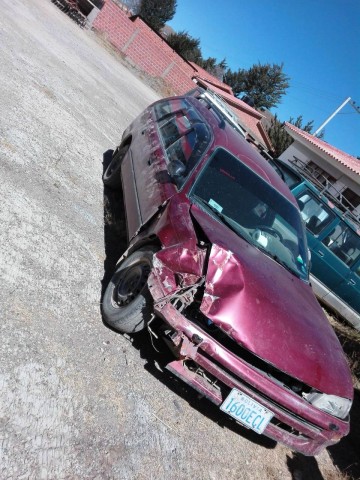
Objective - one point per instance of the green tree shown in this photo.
(280, 139)
(157, 12)
(299, 124)
(265, 84)
(189, 47)
(214, 67)
(185, 45)
(235, 80)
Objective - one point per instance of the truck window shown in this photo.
(314, 213)
(344, 243)
(289, 177)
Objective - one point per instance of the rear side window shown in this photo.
(169, 107)
(183, 133)
(183, 148)
(344, 243)
(314, 213)
(172, 128)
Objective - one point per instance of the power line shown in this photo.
(313, 90)
(355, 107)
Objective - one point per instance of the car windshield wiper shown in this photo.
(279, 261)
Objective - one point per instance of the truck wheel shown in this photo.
(111, 176)
(127, 302)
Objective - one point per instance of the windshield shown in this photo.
(253, 209)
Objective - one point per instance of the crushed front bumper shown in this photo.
(296, 423)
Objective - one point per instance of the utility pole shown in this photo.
(352, 103)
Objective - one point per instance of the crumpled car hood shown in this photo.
(270, 312)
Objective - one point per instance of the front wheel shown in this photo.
(127, 302)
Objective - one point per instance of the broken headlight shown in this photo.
(336, 406)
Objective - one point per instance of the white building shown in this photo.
(334, 169)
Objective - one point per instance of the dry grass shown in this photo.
(345, 455)
(350, 340)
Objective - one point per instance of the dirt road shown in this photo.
(78, 401)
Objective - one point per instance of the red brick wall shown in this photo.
(144, 47)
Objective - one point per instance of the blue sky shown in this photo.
(317, 40)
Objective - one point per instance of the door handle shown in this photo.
(352, 282)
(320, 253)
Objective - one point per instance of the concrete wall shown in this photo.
(143, 47)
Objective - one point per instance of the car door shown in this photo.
(153, 185)
(333, 265)
(349, 289)
(343, 245)
(319, 219)
(146, 184)
(334, 246)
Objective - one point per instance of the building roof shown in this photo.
(344, 158)
(249, 118)
(215, 82)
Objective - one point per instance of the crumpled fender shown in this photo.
(181, 260)
(224, 280)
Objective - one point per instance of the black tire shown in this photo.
(127, 302)
(111, 176)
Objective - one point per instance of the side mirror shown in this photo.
(176, 169)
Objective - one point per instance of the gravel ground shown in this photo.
(77, 400)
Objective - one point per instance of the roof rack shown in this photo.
(327, 189)
(217, 102)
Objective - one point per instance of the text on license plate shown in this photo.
(246, 411)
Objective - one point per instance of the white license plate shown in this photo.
(246, 411)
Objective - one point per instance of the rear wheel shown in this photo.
(111, 176)
(127, 302)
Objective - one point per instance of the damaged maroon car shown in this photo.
(217, 266)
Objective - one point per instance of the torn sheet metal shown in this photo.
(224, 280)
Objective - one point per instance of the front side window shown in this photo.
(344, 243)
(314, 213)
(253, 209)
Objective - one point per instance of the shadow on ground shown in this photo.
(155, 364)
(346, 454)
(115, 237)
(303, 468)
